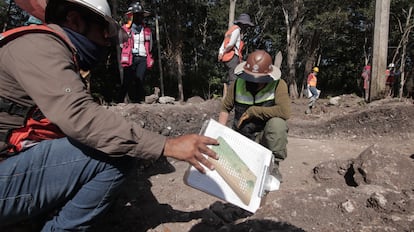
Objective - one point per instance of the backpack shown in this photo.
(35, 127)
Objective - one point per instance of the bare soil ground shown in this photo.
(350, 167)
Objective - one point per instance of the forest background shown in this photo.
(337, 36)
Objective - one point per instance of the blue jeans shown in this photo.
(314, 97)
(77, 181)
(314, 92)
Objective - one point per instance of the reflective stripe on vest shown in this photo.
(244, 99)
(243, 96)
(126, 52)
(128, 45)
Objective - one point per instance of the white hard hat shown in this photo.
(100, 7)
(391, 65)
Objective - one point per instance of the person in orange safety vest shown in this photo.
(311, 86)
(230, 51)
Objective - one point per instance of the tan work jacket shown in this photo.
(38, 69)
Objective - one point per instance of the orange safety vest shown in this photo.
(126, 53)
(312, 80)
(35, 126)
(229, 54)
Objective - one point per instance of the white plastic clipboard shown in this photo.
(254, 155)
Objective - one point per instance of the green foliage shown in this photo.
(11, 15)
(105, 79)
(345, 29)
(193, 30)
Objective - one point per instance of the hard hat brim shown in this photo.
(257, 78)
(145, 13)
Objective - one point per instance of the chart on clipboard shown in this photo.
(241, 176)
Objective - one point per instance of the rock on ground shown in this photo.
(350, 167)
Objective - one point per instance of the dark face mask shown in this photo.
(136, 28)
(253, 87)
(89, 53)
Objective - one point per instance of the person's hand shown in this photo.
(243, 118)
(191, 148)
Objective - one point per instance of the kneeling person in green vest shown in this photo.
(261, 103)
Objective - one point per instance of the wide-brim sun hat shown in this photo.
(37, 8)
(258, 68)
(244, 19)
(136, 8)
(145, 13)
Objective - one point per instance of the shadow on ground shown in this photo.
(138, 210)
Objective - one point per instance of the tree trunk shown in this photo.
(174, 49)
(379, 58)
(403, 45)
(115, 5)
(311, 57)
(157, 36)
(293, 21)
(7, 15)
(232, 10)
(180, 72)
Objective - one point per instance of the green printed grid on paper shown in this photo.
(234, 171)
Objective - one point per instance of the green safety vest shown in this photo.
(243, 99)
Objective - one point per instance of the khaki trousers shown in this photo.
(274, 137)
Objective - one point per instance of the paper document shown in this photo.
(241, 174)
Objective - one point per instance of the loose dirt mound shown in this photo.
(389, 119)
(349, 168)
(350, 119)
(373, 192)
(170, 119)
